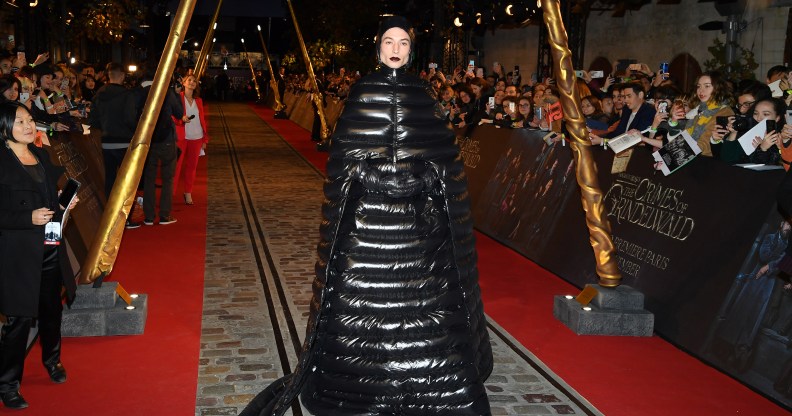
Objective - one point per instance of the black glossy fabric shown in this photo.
(396, 325)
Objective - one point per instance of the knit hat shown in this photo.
(401, 23)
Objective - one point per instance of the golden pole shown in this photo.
(317, 95)
(206, 48)
(102, 254)
(273, 83)
(252, 71)
(200, 73)
(585, 167)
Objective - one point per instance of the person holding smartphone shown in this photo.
(193, 136)
(397, 238)
(35, 268)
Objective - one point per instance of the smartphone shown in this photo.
(192, 116)
(579, 73)
(69, 191)
(432, 65)
(516, 70)
(635, 67)
(771, 125)
(511, 106)
(471, 67)
(722, 121)
(491, 102)
(662, 107)
(64, 83)
(597, 74)
(20, 55)
(788, 117)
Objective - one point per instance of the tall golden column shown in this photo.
(585, 166)
(317, 95)
(206, 48)
(273, 83)
(104, 249)
(252, 71)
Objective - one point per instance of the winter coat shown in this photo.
(396, 323)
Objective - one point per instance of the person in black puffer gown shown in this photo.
(397, 325)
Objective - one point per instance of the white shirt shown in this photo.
(192, 130)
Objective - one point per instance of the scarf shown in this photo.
(699, 123)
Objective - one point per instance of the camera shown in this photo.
(741, 123)
(722, 121)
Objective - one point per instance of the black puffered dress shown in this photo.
(397, 325)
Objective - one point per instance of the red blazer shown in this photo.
(180, 133)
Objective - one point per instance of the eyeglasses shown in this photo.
(746, 104)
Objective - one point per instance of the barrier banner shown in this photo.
(701, 244)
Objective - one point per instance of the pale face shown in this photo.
(395, 48)
(476, 90)
(500, 86)
(704, 88)
(632, 99)
(5, 65)
(464, 97)
(765, 111)
(744, 103)
(607, 105)
(447, 94)
(90, 83)
(511, 91)
(190, 83)
(525, 107)
(618, 100)
(24, 130)
(499, 97)
(586, 107)
(12, 94)
(46, 81)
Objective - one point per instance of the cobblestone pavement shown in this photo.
(262, 228)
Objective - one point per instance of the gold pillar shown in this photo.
(102, 254)
(206, 48)
(317, 95)
(273, 83)
(252, 71)
(585, 166)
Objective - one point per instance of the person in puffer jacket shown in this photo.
(397, 324)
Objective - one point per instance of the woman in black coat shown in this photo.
(31, 272)
(396, 324)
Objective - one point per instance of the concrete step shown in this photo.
(101, 312)
(618, 311)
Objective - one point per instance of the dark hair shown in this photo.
(637, 87)
(779, 106)
(720, 89)
(7, 82)
(8, 110)
(114, 67)
(778, 69)
(755, 89)
(595, 102)
(666, 92)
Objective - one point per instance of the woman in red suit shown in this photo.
(192, 137)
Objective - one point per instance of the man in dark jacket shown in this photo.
(636, 115)
(162, 154)
(114, 111)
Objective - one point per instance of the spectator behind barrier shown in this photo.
(637, 115)
(712, 100)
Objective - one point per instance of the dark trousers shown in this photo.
(112, 162)
(13, 342)
(162, 156)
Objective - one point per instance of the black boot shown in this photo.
(13, 400)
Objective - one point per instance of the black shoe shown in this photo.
(167, 220)
(14, 400)
(148, 222)
(57, 373)
(130, 225)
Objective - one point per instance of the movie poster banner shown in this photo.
(701, 244)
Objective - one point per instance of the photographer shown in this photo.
(771, 148)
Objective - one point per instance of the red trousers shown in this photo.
(187, 165)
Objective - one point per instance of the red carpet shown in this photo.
(151, 374)
(621, 376)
